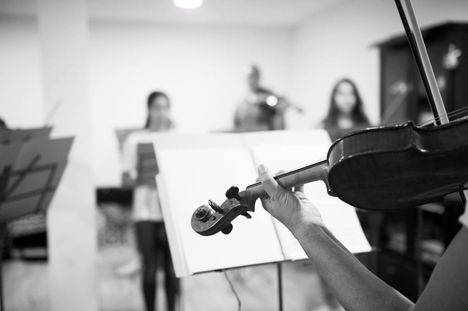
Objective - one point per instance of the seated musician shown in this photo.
(150, 231)
(355, 287)
(261, 109)
(345, 113)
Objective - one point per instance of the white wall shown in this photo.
(201, 68)
(337, 42)
(20, 73)
(71, 218)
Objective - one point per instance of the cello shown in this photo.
(383, 168)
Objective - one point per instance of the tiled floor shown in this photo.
(26, 283)
(25, 286)
(256, 286)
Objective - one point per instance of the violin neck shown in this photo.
(296, 178)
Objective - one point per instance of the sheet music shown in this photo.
(194, 169)
(291, 150)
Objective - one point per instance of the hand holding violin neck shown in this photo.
(296, 178)
(212, 218)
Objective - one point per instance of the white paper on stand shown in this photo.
(198, 167)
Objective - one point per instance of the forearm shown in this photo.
(355, 287)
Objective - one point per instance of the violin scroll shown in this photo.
(212, 218)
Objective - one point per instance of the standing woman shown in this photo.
(345, 113)
(150, 232)
(3, 125)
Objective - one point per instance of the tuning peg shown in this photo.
(215, 206)
(227, 229)
(247, 215)
(233, 193)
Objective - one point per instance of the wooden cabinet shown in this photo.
(400, 82)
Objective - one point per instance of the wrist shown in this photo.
(306, 228)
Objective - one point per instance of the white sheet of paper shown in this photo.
(291, 150)
(194, 169)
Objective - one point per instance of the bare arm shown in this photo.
(355, 287)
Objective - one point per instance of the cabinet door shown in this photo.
(395, 84)
(459, 75)
(421, 111)
(452, 81)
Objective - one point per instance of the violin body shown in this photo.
(400, 166)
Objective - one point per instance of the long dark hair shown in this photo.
(3, 125)
(357, 115)
(149, 101)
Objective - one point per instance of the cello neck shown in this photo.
(314, 172)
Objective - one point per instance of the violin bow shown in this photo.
(416, 41)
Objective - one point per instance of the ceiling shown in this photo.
(224, 12)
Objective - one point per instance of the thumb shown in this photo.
(268, 182)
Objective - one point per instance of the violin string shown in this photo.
(454, 112)
(458, 114)
(432, 121)
(451, 114)
(458, 111)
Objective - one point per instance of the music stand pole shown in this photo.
(2, 239)
(279, 270)
(3, 183)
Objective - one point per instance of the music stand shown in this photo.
(30, 174)
(16, 136)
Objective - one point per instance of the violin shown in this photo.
(375, 169)
(392, 167)
(277, 103)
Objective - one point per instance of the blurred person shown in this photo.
(345, 113)
(3, 125)
(261, 109)
(150, 232)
